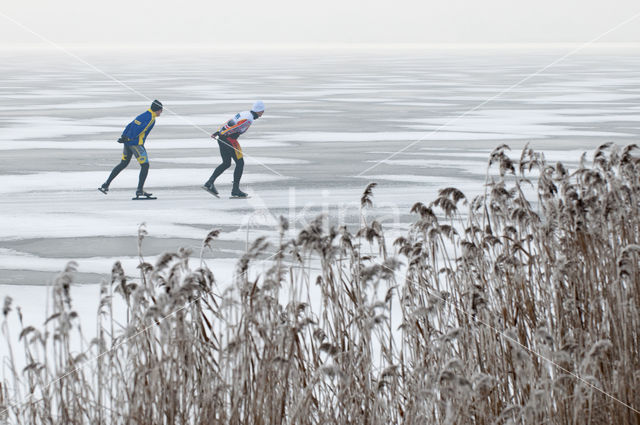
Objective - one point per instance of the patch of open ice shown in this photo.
(50, 127)
(582, 97)
(363, 136)
(414, 178)
(471, 167)
(422, 104)
(360, 99)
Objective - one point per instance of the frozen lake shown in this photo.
(332, 124)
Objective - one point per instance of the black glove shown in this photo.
(123, 139)
(215, 135)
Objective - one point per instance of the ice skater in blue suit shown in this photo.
(133, 138)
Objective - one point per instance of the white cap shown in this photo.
(258, 106)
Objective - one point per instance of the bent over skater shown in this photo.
(133, 138)
(227, 137)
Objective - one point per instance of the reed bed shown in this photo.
(494, 310)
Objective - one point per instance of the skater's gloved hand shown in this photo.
(123, 139)
(216, 134)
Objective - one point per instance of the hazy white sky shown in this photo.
(221, 23)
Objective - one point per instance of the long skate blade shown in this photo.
(209, 192)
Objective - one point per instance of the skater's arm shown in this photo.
(234, 129)
(222, 133)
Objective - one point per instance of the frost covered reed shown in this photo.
(501, 309)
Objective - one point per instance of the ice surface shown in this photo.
(382, 136)
(327, 120)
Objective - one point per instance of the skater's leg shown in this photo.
(237, 175)
(141, 154)
(116, 170)
(226, 153)
(126, 157)
(144, 170)
(219, 170)
(237, 172)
